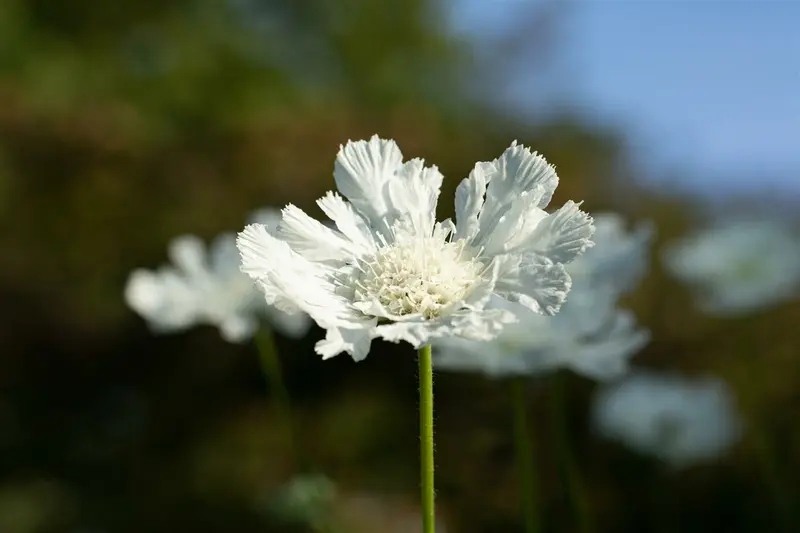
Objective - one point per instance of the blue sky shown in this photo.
(708, 85)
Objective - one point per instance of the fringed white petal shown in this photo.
(347, 221)
(413, 195)
(355, 342)
(313, 240)
(541, 287)
(290, 281)
(561, 236)
(361, 172)
(469, 201)
(518, 170)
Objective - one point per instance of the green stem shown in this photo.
(569, 467)
(523, 445)
(426, 437)
(271, 368)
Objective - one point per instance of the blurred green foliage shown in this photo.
(125, 124)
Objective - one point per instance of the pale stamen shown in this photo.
(418, 275)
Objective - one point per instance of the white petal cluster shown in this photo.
(739, 265)
(677, 420)
(590, 335)
(389, 270)
(206, 286)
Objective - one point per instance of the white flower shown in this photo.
(619, 259)
(305, 499)
(739, 266)
(590, 335)
(206, 287)
(390, 271)
(679, 421)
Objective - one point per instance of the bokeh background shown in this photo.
(123, 124)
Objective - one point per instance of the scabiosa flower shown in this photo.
(739, 266)
(590, 334)
(679, 421)
(207, 287)
(389, 270)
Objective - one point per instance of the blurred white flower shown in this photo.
(739, 266)
(207, 287)
(678, 420)
(305, 499)
(317, 502)
(391, 271)
(590, 335)
(619, 259)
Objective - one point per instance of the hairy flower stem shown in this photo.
(568, 467)
(426, 437)
(523, 446)
(271, 368)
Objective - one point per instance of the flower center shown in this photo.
(417, 275)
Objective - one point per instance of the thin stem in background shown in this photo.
(273, 372)
(523, 446)
(568, 467)
(663, 505)
(770, 470)
(773, 473)
(426, 438)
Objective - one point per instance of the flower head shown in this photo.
(590, 334)
(389, 270)
(679, 421)
(206, 287)
(739, 266)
